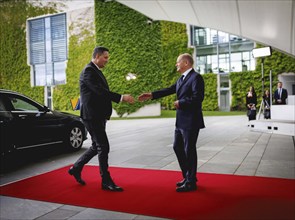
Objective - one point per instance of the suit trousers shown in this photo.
(100, 146)
(185, 149)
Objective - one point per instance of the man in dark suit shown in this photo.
(96, 108)
(280, 95)
(189, 118)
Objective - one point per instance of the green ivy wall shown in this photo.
(210, 102)
(14, 71)
(148, 50)
(135, 47)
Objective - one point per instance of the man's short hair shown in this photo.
(99, 50)
(188, 57)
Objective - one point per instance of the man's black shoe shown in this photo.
(180, 183)
(77, 175)
(187, 187)
(111, 187)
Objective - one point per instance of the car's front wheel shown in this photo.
(75, 138)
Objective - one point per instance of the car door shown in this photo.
(5, 126)
(33, 124)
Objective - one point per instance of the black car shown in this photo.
(25, 123)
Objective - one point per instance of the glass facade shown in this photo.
(47, 43)
(221, 53)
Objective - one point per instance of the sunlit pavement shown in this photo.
(225, 146)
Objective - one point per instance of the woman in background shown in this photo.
(266, 102)
(251, 102)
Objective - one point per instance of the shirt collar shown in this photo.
(95, 65)
(186, 72)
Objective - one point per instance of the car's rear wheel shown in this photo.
(75, 138)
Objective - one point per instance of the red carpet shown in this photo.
(152, 192)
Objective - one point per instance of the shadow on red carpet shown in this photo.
(152, 193)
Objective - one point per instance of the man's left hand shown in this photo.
(176, 104)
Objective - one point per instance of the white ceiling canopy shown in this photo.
(270, 22)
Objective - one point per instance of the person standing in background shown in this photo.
(280, 95)
(266, 102)
(251, 102)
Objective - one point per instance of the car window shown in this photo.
(22, 105)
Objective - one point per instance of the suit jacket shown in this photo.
(283, 97)
(190, 94)
(95, 95)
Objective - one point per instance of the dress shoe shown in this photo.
(111, 186)
(180, 183)
(77, 175)
(187, 187)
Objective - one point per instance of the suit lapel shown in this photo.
(185, 80)
(100, 74)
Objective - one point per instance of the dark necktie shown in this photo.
(181, 79)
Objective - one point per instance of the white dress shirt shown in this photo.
(185, 73)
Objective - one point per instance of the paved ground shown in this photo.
(226, 146)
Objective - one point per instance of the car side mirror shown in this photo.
(46, 109)
(43, 111)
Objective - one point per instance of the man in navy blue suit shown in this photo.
(189, 89)
(280, 95)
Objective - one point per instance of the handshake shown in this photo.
(143, 97)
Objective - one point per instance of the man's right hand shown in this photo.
(128, 98)
(145, 96)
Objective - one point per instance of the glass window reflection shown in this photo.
(220, 52)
